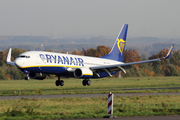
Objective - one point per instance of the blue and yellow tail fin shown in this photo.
(117, 51)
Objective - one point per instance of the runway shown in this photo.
(80, 95)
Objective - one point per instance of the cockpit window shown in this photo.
(23, 56)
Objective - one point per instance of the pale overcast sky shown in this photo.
(146, 18)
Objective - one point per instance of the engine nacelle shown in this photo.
(39, 76)
(83, 73)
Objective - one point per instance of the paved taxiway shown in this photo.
(81, 95)
(137, 118)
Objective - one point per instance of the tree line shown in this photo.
(170, 67)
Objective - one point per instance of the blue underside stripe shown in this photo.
(50, 70)
(60, 70)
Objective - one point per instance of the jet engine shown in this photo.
(83, 73)
(39, 76)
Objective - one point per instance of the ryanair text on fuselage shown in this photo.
(62, 59)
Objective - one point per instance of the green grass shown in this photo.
(74, 86)
(89, 107)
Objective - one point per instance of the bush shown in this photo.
(2, 74)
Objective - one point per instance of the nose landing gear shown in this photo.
(27, 77)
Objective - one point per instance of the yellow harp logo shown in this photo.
(121, 44)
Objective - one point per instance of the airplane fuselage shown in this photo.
(58, 63)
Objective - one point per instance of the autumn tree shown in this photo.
(2, 74)
(99, 52)
(162, 53)
(131, 55)
(75, 52)
(175, 58)
(170, 70)
(90, 52)
(102, 50)
(166, 67)
(3, 55)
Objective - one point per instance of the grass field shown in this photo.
(89, 107)
(74, 86)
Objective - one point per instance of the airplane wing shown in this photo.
(8, 60)
(124, 65)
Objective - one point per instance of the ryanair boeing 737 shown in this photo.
(38, 64)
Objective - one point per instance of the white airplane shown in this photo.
(38, 64)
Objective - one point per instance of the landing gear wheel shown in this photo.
(88, 82)
(57, 82)
(84, 82)
(27, 78)
(61, 83)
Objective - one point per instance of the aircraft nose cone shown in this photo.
(18, 62)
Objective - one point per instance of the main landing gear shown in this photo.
(86, 82)
(59, 82)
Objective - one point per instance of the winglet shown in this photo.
(169, 52)
(8, 60)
